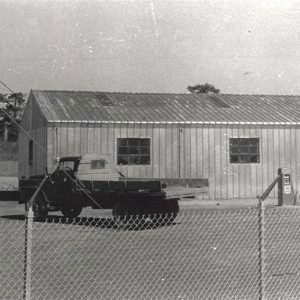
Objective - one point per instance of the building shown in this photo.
(233, 143)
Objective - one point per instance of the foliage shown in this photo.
(203, 89)
(12, 107)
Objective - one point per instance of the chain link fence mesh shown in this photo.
(204, 254)
(282, 253)
(12, 246)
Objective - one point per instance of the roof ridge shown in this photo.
(163, 107)
(166, 93)
(106, 92)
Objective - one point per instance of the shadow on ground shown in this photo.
(105, 223)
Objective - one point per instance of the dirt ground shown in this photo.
(8, 208)
(209, 252)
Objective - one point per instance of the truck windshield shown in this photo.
(67, 164)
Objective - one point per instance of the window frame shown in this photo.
(143, 149)
(238, 143)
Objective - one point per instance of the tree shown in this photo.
(203, 89)
(12, 107)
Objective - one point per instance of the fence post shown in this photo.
(261, 248)
(28, 253)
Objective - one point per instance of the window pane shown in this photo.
(145, 150)
(244, 159)
(123, 150)
(234, 158)
(145, 160)
(133, 150)
(122, 160)
(145, 142)
(234, 149)
(253, 149)
(254, 159)
(133, 160)
(98, 164)
(122, 142)
(133, 142)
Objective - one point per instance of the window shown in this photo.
(133, 151)
(30, 158)
(67, 164)
(98, 164)
(244, 151)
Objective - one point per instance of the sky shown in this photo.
(241, 47)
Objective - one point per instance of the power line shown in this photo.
(7, 87)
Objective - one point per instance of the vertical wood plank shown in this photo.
(217, 163)
(226, 161)
(63, 140)
(235, 169)
(276, 154)
(143, 168)
(287, 147)
(297, 158)
(258, 134)
(293, 157)
(91, 138)
(161, 152)
(155, 146)
(123, 134)
(211, 162)
(149, 169)
(205, 155)
(77, 139)
(270, 149)
(168, 152)
(50, 147)
(193, 152)
(186, 147)
(199, 153)
(175, 152)
(83, 139)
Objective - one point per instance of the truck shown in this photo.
(92, 180)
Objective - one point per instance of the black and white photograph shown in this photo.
(149, 149)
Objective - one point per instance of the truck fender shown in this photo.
(45, 196)
(29, 195)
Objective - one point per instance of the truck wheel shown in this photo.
(71, 212)
(123, 214)
(39, 208)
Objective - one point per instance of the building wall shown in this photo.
(189, 152)
(34, 127)
(96, 138)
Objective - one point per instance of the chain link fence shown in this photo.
(204, 254)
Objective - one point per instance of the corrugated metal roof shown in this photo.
(104, 107)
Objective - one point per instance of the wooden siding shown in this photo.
(76, 139)
(185, 151)
(35, 126)
(189, 152)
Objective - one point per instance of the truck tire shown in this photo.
(124, 214)
(71, 212)
(39, 207)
